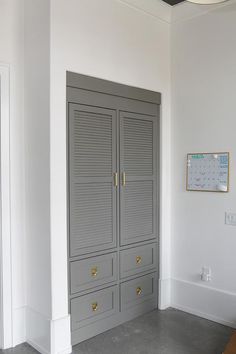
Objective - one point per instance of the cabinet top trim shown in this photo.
(112, 88)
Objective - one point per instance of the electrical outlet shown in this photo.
(230, 219)
(206, 274)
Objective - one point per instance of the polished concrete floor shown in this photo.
(159, 332)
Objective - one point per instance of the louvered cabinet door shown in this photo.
(138, 164)
(92, 164)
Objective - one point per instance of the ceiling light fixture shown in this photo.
(206, 2)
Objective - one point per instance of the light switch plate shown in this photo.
(230, 219)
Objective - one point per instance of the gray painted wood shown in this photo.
(98, 99)
(129, 291)
(92, 272)
(82, 310)
(137, 260)
(112, 88)
(92, 159)
(111, 128)
(138, 160)
(95, 328)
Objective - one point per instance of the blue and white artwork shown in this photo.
(208, 172)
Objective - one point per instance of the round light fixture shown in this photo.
(206, 2)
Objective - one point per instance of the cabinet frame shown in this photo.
(139, 101)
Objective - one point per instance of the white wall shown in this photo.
(115, 41)
(11, 52)
(126, 41)
(37, 166)
(204, 111)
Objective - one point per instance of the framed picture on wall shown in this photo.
(208, 172)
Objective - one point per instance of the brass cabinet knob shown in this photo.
(95, 306)
(138, 259)
(138, 291)
(94, 272)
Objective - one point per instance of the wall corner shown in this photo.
(164, 300)
(48, 336)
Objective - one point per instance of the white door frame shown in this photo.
(5, 211)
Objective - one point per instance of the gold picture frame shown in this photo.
(203, 155)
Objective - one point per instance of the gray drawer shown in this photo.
(138, 259)
(137, 291)
(94, 271)
(94, 306)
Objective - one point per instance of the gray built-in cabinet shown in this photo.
(113, 178)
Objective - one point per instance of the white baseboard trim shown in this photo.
(61, 336)
(164, 299)
(66, 351)
(37, 347)
(48, 336)
(38, 331)
(19, 326)
(43, 351)
(203, 315)
(209, 303)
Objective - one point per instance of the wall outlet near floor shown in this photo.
(230, 219)
(206, 274)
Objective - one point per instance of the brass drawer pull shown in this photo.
(123, 179)
(94, 272)
(94, 306)
(138, 259)
(138, 291)
(116, 179)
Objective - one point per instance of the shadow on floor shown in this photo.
(158, 332)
